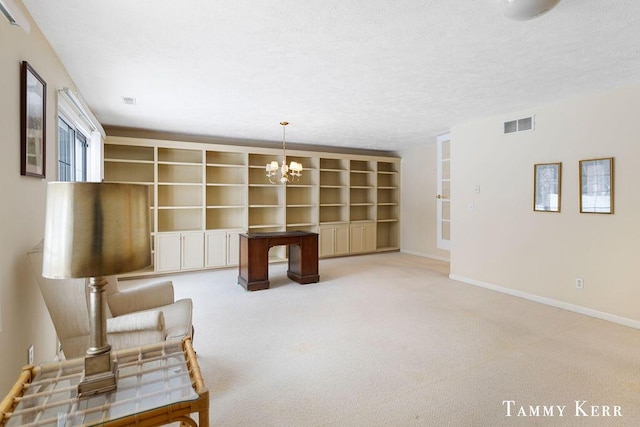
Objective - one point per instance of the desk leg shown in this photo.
(254, 264)
(303, 261)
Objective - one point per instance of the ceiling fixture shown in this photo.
(523, 10)
(284, 174)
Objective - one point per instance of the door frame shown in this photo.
(442, 243)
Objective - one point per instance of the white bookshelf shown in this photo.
(210, 193)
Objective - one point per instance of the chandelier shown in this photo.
(284, 174)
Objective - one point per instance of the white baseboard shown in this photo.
(551, 302)
(438, 258)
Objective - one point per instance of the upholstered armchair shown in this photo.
(136, 316)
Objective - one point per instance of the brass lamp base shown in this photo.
(100, 375)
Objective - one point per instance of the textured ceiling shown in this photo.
(362, 73)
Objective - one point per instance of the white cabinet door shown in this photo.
(342, 240)
(362, 238)
(192, 250)
(327, 241)
(168, 251)
(216, 249)
(233, 248)
(179, 251)
(356, 241)
(222, 248)
(369, 238)
(334, 240)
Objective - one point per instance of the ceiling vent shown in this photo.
(129, 100)
(519, 125)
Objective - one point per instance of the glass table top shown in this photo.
(149, 377)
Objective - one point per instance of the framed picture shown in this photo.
(547, 186)
(596, 186)
(33, 131)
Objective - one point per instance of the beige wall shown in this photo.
(418, 202)
(24, 319)
(498, 240)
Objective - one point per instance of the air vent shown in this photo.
(520, 125)
(129, 100)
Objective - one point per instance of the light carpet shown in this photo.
(389, 340)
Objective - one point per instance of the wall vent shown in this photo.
(519, 125)
(129, 100)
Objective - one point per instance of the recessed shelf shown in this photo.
(129, 153)
(179, 156)
(135, 162)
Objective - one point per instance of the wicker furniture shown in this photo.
(157, 384)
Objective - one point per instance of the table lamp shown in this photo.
(93, 230)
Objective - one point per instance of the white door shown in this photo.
(444, 191)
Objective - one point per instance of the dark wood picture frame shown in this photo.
(33, 119)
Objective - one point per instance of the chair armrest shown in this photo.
(141, 298)
(152, 320)
(136, 329)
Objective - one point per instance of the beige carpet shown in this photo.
(389, 340)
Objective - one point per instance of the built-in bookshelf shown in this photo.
(388, 206)
(204, 195)
(225, 190)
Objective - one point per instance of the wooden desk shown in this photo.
(157, 384)
(254, 257)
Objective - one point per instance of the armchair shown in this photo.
(135, 316)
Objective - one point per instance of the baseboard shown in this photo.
(437, 258)
(551, 302)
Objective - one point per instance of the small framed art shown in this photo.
(596, 186)
(33, 131)
(547, 186)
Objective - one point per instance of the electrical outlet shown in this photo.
(579, 283)
(30, 357)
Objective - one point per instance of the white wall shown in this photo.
(418, 201)
(502, 242)
(24, 318)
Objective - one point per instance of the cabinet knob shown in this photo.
(439, 196)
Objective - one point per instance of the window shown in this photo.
(80, 140)
(72, 152)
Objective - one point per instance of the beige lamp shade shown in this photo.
(95, 229)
